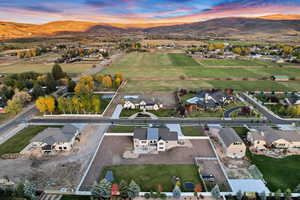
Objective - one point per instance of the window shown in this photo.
(60, 148)
(65, 148)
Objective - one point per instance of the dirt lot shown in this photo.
(55, 172)
(112, 148)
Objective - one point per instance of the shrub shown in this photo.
(182, 77)
(147, 196)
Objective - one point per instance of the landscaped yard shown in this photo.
(148, 177)
(158, 113)
(192, 131)
(241, 131)
(281, 173)
(20, 140)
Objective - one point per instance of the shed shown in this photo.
(280, 78)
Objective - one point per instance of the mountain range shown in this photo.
(272, 25)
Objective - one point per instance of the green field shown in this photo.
(44, 68)
(192, 131)
(20, 140)
(281, 173)
(236, 62)
(163, 65)
(149, 176)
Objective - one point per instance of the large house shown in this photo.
(266, 137)
(233, 146)
(210, 99)
(54, 139)
(135, 102)
(147, 140)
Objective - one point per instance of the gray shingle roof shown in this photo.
(270, 135)
(51, 136)
(229, 136)
(163, 133)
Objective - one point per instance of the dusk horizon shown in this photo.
(141, 12)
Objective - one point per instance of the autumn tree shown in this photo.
(85, 86)
(117, 82)
(21, 96)
(120, 76)
(96, 104)
(61, 104)
(107, 82)
(40, 104)
(14, 106)
(50, 104)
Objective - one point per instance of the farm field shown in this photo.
(44, 68)
(149, 176)
(139, 68)
(284, 175)
(163, 86)
(236, 62)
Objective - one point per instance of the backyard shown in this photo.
(20, 140)
(280, 173)
(148, 177)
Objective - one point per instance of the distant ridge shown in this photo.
(223, 27)
(281, 17)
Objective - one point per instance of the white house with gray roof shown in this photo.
(233, 145)
(151, 140)
(264, 138)
(56, 139)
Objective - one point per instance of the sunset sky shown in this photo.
(139, 11)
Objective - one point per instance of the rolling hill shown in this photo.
(220, 27)
(233, 26)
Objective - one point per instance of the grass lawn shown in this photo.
(158, 113)
(75, 197)
(241, 131)
(279, 173)
(44, 68)
(236, 62)
(4, 117)
(149, 176)
(20, 140)
(192, 131)
(121, 129)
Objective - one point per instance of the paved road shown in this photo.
(31, 111)
(145, 121)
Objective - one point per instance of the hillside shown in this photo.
(17, 30)
(281, 17)
(251, 28)
(233, 27)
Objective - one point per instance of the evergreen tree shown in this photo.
(239, 195)
(71, 86)
(133, 190)
(37, 91)
(57, 72)
(263, 196)
(215, 192)
(20, 190)
(102, 189)
(176, 192)
(278, 194)
(297, 189)
(123, 189)
(288, 194)
(30, 190)
(50, 84)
